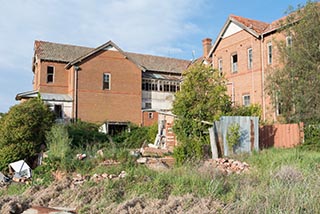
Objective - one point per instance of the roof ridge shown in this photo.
(166, 57)
(56, 43)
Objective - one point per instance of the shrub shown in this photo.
(312, 137)
(134, 138)
(233, 136)
(22, 131)
(85, 134)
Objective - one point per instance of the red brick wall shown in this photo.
(122, 102)
(60, 82)
(246, 80)
(147, 121)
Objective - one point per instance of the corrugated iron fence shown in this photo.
(281, 135)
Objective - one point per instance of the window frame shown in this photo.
(245, 101)
(50, 80)
(106, 85)
(220, 65)
(250, 58)
(269, 53)
(58, 112)
(234, 65)
(289, 41)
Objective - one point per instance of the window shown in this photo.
(50, 74)
(106, 81)
(220, 66)
(250, 62)
(234, 63)
(246, 100)
(289, 41)
(57, 109)
(269, 48)
(148, 105)
(150, 115)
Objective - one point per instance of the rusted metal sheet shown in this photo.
(281, 135)
(249, 134)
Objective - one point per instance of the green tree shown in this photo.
(22, 131)
(202, 98)
(295, 86)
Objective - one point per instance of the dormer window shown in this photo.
(50, 74)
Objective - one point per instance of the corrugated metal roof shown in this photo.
(44, 96)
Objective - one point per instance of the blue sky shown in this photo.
(171, 28)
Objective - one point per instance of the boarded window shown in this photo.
(50, 74)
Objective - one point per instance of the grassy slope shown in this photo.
(279, 181)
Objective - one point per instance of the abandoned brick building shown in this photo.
(104, 84)
(245, 51)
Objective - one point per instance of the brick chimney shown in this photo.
(206, 44)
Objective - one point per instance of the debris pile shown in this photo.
(79, 179)
(227, 166)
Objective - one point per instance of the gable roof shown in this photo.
(72, 54)
(254, 27)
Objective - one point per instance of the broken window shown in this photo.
(269, 48)
(50, 74)
(106, 81)
(58, 111)
(234, 63)
(250, 61)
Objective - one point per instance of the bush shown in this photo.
(312, 137)
(135, 138)
(22, 131)
(85, 134)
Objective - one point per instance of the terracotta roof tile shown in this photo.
(66, 53)
(257, 26)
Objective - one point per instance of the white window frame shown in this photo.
(108, 84)
(245, 100)
(234, 65)
(269, 52)
(250, 58)
(150, 115)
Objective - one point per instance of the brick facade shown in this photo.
(239, 38)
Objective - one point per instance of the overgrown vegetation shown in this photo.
(136, 136)
(294, 88)
(233, 136)
(202, 98)
(22, 131)
(279, 181)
